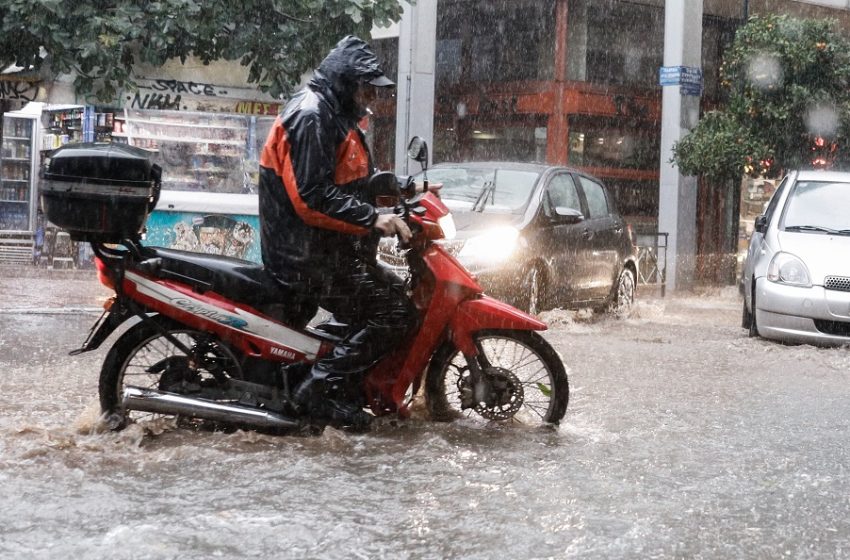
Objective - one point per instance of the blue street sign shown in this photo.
(688, 78)
(677, 75)
(690, 89)
(669, 75)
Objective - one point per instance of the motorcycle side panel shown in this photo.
(486, 313)
(242, 326)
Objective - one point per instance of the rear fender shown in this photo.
(486, 313)
(104, 326)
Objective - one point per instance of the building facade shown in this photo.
(574, 82)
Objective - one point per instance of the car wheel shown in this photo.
(753, 328)
(746, 316)
(623, 297)
(531, 291)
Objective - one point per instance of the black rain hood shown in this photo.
(349, 64)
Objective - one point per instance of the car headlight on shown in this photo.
(786, 268)
(494, 245)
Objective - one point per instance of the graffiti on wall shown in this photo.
(214, 234)
(22, 91)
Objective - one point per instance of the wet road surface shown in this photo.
(684, 438)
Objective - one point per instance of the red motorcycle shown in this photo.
(211, 338)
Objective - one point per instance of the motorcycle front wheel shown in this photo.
(525, 380)
(146, 356)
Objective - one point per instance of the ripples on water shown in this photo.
(683, 439)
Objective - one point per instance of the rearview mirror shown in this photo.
(417, 150)
(760, 224)
(564, 215)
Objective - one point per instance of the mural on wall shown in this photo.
(215, 234)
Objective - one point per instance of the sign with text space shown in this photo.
(678, 75)
(688, 78)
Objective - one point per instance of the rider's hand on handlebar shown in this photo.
(390, 224)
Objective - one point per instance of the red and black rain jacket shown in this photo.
(313, 172)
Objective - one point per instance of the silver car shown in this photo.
(797, 275)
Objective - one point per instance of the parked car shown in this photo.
(536, 235)
(797, 274)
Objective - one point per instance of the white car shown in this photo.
(796, 279)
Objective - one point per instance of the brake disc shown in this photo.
(502, 393)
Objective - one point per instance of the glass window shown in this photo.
(519, 138)
(615, 42)
(561, 192)
(380, 129)
(597, 202)
(486, 188)
(205, 152)
(774, 200)
(634, 198)
(717, 36)
(818, 204)
(620, 142)
(495, 41)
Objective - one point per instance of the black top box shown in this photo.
(99, 192)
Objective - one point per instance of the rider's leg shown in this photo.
(374, 304)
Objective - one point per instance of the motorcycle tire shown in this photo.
(146, 356)
(531, 381)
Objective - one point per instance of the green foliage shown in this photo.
(101, 41)
(787, 82)
(720, 148)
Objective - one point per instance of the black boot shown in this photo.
(341, 414)
(326, 403)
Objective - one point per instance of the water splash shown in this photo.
(765, 72)
(821, 119)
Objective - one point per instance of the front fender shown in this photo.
(486, 313)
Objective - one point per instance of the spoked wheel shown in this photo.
(624, 297)
(523, 380)
(144, 357)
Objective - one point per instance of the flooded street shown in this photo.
(683, 438)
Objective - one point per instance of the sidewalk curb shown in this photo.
(28, 271)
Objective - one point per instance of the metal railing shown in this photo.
(652, 260)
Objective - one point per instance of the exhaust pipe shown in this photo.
(151, 400)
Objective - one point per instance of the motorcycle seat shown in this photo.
(235, 279)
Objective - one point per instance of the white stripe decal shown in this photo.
(241, 320)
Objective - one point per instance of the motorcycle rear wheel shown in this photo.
(144, 357)
(535, 389)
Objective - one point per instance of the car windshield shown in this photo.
(818, 206)
(485, 189)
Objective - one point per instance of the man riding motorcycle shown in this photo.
(316, 222)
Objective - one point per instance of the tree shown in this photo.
(788, 102)
(101, 41)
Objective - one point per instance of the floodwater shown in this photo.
(684, 438)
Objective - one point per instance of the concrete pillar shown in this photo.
(679, 114)
(417, 42)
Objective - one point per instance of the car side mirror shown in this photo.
(761, 224)
(564, 215)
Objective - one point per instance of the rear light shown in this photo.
(103, 274)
